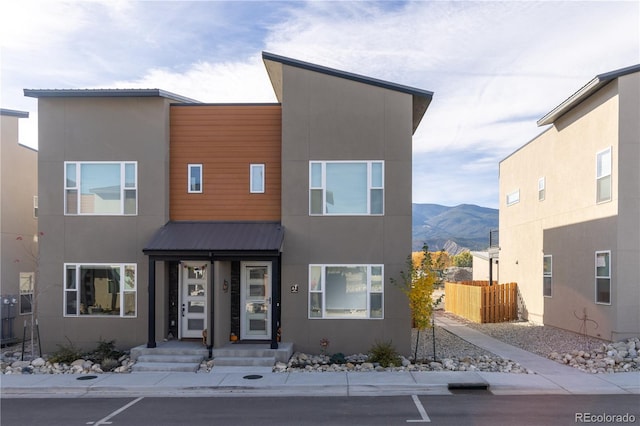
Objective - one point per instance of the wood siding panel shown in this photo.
(225, 140)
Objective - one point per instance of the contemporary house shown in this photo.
(18, 225)
(166, 217)
(570, 212)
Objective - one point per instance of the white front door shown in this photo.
(255, 318)
(193, 303)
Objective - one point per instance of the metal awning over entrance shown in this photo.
(213, 241)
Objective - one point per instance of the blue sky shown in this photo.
(495, 67)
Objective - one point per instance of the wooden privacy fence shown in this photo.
(480, 302)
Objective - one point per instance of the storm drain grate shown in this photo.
(86, 377)
(458, 388)
(252, 377)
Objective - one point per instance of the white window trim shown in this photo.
(189, 168)
(253, 190)
(122, 292)
(324, 287)
(513, 197)
(370, 186)
(35, 206)
(598, 177)
(541, 189)
(608, 252)
(22, 292)
(547, 275)
(123, 188)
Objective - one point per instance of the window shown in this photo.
(541, 190)
(256, 172)
(603, 176)
(35, 206)
(513, 197)
(345, 291)
(603, 277)
(26, 292)
(101, 188)
(195, 178)
(100, 290)
(346, 188)
(547, 273)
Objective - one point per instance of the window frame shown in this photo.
(78, 185)
(321, 290)
(600, 175)
(547, 274)
(262, 168)
(35, 206)
(603, 277)
(190, 185)
(26, 294)
(77, 290)
(542, 189)
(371, 186)
(513, 197)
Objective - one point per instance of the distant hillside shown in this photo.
(452, 228)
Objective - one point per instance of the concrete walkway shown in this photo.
(550, 378)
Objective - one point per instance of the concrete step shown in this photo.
(148, 367)
(244, 361)
(177, 358)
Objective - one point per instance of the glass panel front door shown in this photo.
(193, 314)
(255, 321)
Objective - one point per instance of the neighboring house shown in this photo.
(481, 267)
(284, 221)
(570, 212)
(18, 225)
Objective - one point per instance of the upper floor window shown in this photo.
(603, 277)
(345, 291)
(101, 188)
(256, 177)
(547, 275)
(541, 189)
(603, 175)
(100, 290)
(513, 197)
(346, 188)
(195, 178)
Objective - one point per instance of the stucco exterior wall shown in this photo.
(18, 186)
(565, 155)
(100, 129)
(329, 118)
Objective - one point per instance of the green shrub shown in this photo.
(66, 354)
(338, 358)
(105, 350)
(384, 354)
(109, 364)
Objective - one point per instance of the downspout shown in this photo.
(151, 328)
(210, 332)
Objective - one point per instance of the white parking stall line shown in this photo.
(423, 413)
(105, 420)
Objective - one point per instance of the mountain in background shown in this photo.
(453, 229)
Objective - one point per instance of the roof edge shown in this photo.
(106, 93)
(13, 113)
(584, 92)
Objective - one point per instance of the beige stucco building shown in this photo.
(18, 224)
(570, 212)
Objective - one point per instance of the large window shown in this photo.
(346, 291)
(603, 176)
(256, 177)
(603, 277)
(100, 290)
(101, 188)
(195, 178)
(547, 275)
(26, 292)
(346, 188)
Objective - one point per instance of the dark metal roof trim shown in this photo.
(213, 237)
(105, 93)
(14, 113)
(225, 104)
(587, 90)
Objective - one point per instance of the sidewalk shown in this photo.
(550, 378)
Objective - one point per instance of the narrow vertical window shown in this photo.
(603, 277)
(35, 206)
(256, 177)
(541, 189)
(26, 292)
(195, 178)
(603, 176)
(71, 188)
(547, 274)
